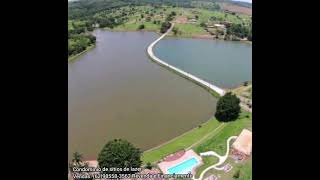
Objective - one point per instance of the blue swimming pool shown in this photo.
(184, 167)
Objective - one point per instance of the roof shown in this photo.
(244, 142)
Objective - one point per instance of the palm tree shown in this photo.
(77, 159)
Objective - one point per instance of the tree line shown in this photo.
(166, 25)
(84, 8)
(240, 30)
(79, 38)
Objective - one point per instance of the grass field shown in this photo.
(133, 26)
(212, 135)
(244, 167)
(190, 30)
(159, 14)
(182, 142)
(208, 161)
(218, 142)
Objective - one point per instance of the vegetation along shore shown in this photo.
(210, 20)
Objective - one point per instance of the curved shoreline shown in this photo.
(76, 56)
(201, 82)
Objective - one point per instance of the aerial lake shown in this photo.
(116, 91)
(226, 64)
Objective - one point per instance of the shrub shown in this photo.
(202, 24)
(141, 26)
(149, 165)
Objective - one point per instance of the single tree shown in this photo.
(202, 24)
(175, 31)
(165, 26)
(77, 159)
(120, 153)
(149, 165)
(169, 18)
(141, 26)
(228, 108)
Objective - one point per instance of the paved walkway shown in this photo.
(220, 91)
(222, 159)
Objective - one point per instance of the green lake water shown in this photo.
(226, 64)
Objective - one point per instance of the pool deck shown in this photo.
(174, 156)
(166, 165)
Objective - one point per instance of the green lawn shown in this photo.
(133, 26)
(212, 135)
(189, 30)
(218, 142)
(246, 170)
(182, 142)
(208, 161)
(244, 167)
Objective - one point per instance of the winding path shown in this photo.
(220, 91)
(222, 159)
